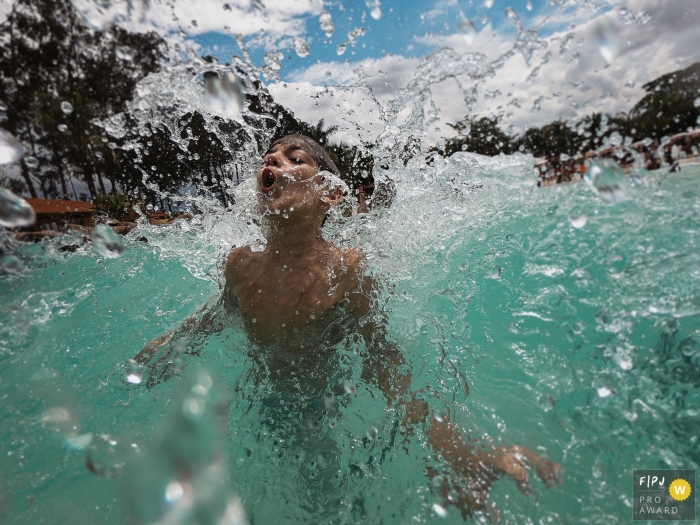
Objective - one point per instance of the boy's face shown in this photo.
(289, 181)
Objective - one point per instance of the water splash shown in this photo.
(106, 456)
(15, 212)
(107, 242)
(10, 148)
(301, 47)
(607, 180)
(606, 39)
(325, 20)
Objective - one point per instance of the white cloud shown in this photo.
(563, 88)
(278, 17)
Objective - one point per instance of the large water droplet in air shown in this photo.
(10, 148)
(31, 161)
(302, 47)
(66, 107)
(607, 179)
(106, 456)
(625, 16)
(467, 27)
(606, 38)
(11, 264)
(15, 212)
(440, 510)
(133, 372)
(223, 92)
(578, 221)
(107, 241)
(696, 102)
(375, 8)
(326, 22)
(125, 53)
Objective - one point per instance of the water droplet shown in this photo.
(60, 420)
(488, 4)
(494, 272)
(375, 8)
(606, 38)
(125, 53)
(174, 492)
(642, 18)
(106, 456)
(76, 443)
(696, 102)
(349, 387)
(15, 212)
(484, 20)
(328, 73)
(3, 106)
(528, 5)
(630, 84)
(107, 241)
(607, 179)
(193, 408)
(133, 372)
(301, 46)
(625, 16)
(257, 5)
(578, 221)
(66, 107)
(273, 60)
(62, 128)
(604, 391)
(440, 510)
(31, 162)
(437, 415)
(467, 27)
(12, 264)
(341, 49)
(326, 21)
(372, 433)
(10, 148)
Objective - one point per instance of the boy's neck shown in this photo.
(294, 239)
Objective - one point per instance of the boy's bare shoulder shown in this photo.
(238, 258)
(353, 259)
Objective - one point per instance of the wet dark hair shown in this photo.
(311, 147)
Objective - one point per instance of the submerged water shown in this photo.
(545, 317)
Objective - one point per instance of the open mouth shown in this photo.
(268, 181)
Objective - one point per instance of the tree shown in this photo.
(56, 77)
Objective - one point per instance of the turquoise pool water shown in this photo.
(527, 326)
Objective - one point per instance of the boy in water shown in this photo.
(289, 295)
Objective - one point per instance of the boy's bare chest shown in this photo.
(276, 297)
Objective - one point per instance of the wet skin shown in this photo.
(285, 293)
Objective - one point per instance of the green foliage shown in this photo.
(481, 136)
(667, 108)
(48, 56)
(116, 206)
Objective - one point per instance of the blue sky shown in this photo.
(395, 33)
(587, 55)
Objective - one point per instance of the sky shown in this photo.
(550, 59)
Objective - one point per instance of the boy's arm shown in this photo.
(385, 366)
(201, 322)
